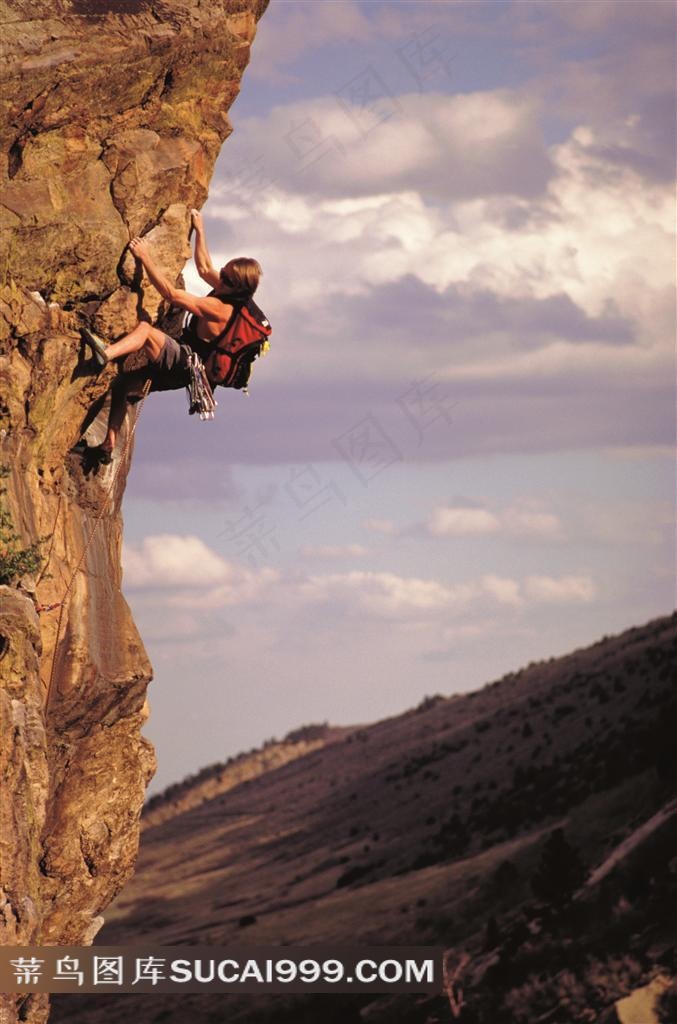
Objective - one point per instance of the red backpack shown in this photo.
(243, 339)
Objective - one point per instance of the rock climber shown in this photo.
(167, 370)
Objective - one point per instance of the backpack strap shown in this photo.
(256, 314)
(237, 309)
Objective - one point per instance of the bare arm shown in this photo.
(203, 260)
(206, 306)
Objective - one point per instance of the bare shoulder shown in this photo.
(216, 305)
(221, 306)
(204, 306)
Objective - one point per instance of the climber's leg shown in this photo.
(116, 416)
(166, 371)
(142, 336)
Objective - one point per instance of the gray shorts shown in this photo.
(170, 371)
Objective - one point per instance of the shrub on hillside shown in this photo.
(560, 871)
(314, 731)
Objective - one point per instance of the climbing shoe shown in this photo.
(97, 345)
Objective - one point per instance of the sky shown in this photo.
(457, 456)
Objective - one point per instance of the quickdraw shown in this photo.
(200, 395)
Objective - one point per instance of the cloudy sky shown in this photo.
(457, 456)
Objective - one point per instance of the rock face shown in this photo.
(111, 115)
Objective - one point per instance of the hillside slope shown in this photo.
(429, 828)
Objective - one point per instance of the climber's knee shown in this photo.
(154, 342)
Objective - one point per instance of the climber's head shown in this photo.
(241, 274)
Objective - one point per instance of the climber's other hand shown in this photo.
(196, 220)
(139, 249)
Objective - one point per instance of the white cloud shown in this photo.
(599, 17)
(637, 453)
(389, 595)
(601, 235)
(468, 631)
(563, 590)
(623, 523)
(503, 589)
(461, 522)
(386, 593)
(188, 570)
(561, 359)
(631, 62)
(289, 30)
(247, 587)
(167, 560)
(459, 146)
(333, 550)
(524, 518)
(386, 526)
(182, 575)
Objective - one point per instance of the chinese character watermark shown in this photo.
(251, 534)
(306, 139)
(107, 970)
(367, 449)
(247, 183)
(424, 404)
(68, 969)
(367, 100)
(304, 489)
(27, 970)
(424, 55)
(149, 968)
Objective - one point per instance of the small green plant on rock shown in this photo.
(15, 560)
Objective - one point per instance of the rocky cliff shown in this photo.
(112, 116)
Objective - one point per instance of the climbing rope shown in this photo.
(62, 603)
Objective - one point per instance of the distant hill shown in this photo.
(471, 821)
(218, 778)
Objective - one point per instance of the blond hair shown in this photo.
(242, 273)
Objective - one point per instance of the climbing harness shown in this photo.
(61, 605)
(200, 395)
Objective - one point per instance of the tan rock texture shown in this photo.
(111, 118)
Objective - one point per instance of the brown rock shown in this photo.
(145, 168)
(111, 118)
